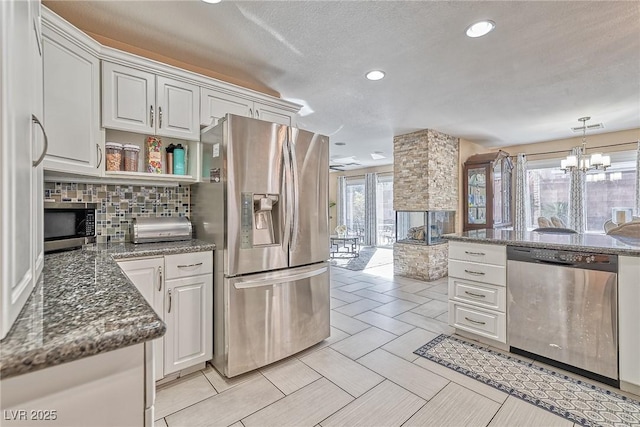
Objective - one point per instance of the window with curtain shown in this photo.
(354, 206)
(549, 190)
(385, 214)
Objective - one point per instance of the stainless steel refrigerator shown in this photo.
(265, 206)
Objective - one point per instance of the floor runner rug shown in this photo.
(578, 401)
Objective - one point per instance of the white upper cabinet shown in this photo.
(72, 105)
(21, 149)
(139, 101)
(214, 105)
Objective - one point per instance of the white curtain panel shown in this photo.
(370, 219)
(522, 210)
(577, 196)
(340, 203)
(638, 180)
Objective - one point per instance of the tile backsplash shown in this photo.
(117, 205)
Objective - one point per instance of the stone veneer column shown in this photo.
(425, 177)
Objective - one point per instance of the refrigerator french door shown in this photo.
(266, 209)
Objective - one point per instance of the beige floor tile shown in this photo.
(160, 423)
(238, 424)
(344, 296)
(434, 295)
(407, 296)
(306, 407)
(415, 287)
(463, 380)
(290, 375)
(374, 295)
(417, 380)
(386, 405)
(516, 412)
(385, 287)
(335, 303)
(229, 407)
(222, 383)
(336, 335)
(386, 323)
(455, 406)
(405, 345)
(404, 281)
(425, 323)
(347, 323)
(181, 393)
(358, 307)
(359, 344)
(442, 288)
(350, 376)
(356, 286)
(444, 317)
(432, 308)
(396, 307)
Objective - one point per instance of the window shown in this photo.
(549, 190)
(354, 206)
(385, 215)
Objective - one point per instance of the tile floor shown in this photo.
(365, 374)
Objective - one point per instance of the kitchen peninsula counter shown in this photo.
(597, 243)
(84, 305)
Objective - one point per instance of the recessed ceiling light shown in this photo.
(212, 1)
(480, 28)
(340, 143)
(375, 75)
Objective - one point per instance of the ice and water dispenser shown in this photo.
(260, 220)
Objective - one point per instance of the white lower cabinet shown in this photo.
(180, 289)
(477, 289)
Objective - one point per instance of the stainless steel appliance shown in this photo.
(160, 229)
(562, 305)
(68, 225)
(266, 209)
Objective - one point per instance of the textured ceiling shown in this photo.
(546, 64)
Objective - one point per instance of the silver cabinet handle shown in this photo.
(99, 158)
(169, 310)
(250, 112)
(159, 279)
(466, 318)
(475, 253)
(190, 265)
(159, 117)
(477, 273)
(35, 120)
(257, 113)
(475, 295)
(151, 115)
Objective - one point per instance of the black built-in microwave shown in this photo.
(68, 225)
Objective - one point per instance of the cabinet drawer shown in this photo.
(486, 323)
(480, 294)
(190, 264)
(477, 272)
(476, 252)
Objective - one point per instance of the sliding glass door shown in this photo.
(354, 206)
(385, 215)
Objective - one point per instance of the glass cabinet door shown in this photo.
(477, 196)
(497, 193)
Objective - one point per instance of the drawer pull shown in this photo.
(475, 295)
(475, 321)
(476, 273)
(475, 253)
(193, 265)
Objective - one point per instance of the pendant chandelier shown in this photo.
(581, 161)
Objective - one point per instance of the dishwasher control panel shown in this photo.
(588, 260)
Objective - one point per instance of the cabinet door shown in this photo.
(71, 107)
(214, 105)
(189, 318)
(272, 114)
(17, 277)
(37, 141)
(178, 109)
(128, 98)
(147, 276)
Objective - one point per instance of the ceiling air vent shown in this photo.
(589, 127)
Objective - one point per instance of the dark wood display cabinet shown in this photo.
(487, 191)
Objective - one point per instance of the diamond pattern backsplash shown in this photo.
(117, 205)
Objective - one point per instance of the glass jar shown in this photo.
(131, 153)
(113, 152)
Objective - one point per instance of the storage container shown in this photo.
(113, 152)
(178, 160)
(131, 153)
(153, 148)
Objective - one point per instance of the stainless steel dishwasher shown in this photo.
(562, 305)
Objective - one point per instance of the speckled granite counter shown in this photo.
(599, 243)
(84, 305)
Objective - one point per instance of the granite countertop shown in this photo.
(83, 305)
(599, 243)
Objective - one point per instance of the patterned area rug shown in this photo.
(577, 401)
(370, 256)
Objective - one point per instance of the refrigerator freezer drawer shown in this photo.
(270, 316)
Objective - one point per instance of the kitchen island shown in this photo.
(82, 334)
(479, 286)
